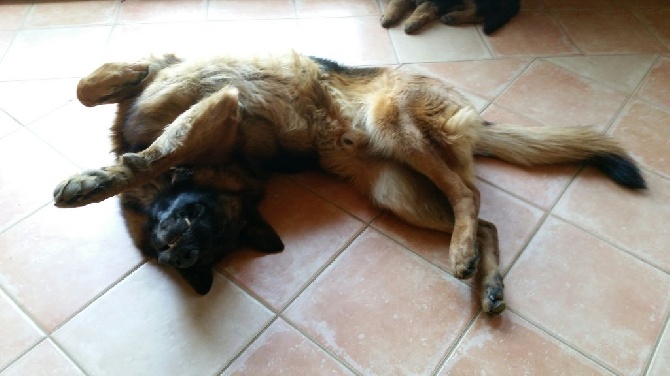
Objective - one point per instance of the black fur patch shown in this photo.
(619, 168)
(330, 66)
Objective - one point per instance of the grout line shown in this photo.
(244, 348)
(85, 306)
(665, 332)
(12, 361)
(300, 291)
(564, 342)
(553, 14)
(320, 346)
(611, 243)
(452, 349)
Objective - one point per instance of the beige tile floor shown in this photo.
(586, 263)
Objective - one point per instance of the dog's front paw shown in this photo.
(79, 189)
(465, 268)
(90, 186)
(449, 19)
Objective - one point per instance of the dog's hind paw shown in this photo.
(493, 301)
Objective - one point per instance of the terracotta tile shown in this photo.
(340, 193)
(486, 78)
(162, 11)
(657, 19)
(376, 301)
(608, 31)
(341, 8)
(6, 39)
(157, 325)
(514, 219)
(312, 230)
(135, 41)
(539, 185)
(45, 95)
(71, 13)
(54, 53)
(621, 72)
(258, 37)
(571, 283)
(350, 40)
(655, 87)
(631, 220)
(7, 124)
(438, 42)
(131, 42)
(661, 360)
(13, 13)
(282, 350)
(430, 244)
(18, 332)
(26, 184)
(57, 260)
(509, 345)
(80, 133)
(643, 132)
(250, 9)
(44, 359)
(582, 4)
(531, 33)
(560, 97)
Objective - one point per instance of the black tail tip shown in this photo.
(620, 168)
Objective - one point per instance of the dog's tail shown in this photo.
(546, 145)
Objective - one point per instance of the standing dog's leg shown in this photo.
(208, 127)
(422, 15)
(395, 10)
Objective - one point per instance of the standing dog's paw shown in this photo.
(79, 189)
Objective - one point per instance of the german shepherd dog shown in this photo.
(492, 13)
(405, 140)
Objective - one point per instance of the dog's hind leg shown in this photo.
(207, 130)
(416, 200)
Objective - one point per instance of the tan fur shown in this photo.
(405, 140)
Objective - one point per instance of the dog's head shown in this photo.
(191, 228)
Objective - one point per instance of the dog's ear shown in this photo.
(199, 277)
(259, 235)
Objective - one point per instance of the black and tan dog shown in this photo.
(405, 140)
(492, 13)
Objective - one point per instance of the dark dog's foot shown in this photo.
(412, 27)
(449, 19)
(387, 21)
(493, 301)
(81, 189)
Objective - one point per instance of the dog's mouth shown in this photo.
(177, 258)
(179, 253)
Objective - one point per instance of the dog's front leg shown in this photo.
(208, 127)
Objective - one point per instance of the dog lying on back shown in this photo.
(405, 140)
(492, 13)
(191, 218)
